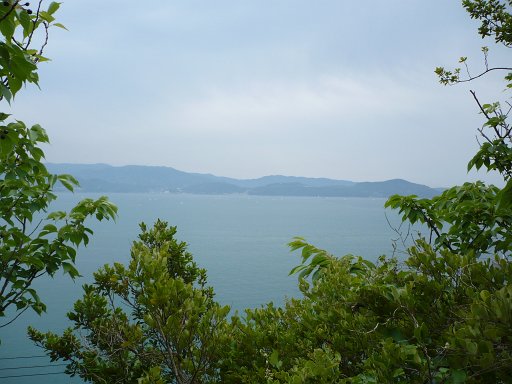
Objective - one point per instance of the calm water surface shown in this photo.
(241, 241)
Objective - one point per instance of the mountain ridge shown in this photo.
(142, 178)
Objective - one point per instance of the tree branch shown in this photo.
(12, 320)
(483, 73)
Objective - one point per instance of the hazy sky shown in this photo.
(324, 88)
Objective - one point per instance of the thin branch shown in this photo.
(483, 73)
(21, 291)
(18, 315)
(484, 135)
(480, 105)
(35, 229)
(467, 69)
(401, 237)
(34, 24)
(20, 45)
(484, 112)
(45, 24)
(432, 227)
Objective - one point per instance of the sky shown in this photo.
(325, 88)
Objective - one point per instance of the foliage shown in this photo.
(495, 19)
(442, 315)
(21, 28)
(154, 319)
(318, 259)
(33, 243)
(464, 219)
(478, 217)
(441, 318)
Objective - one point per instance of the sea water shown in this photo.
(241, 240)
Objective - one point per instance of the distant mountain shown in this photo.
(136, 178)
(366, 189)
(276, 179)
(215, 188)
(132, 178)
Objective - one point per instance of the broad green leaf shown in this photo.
(53, 7)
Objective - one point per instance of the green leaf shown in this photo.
(5, 92)
(485, 295)
(504, 198)
(59, 25)
(70, 270)
(274, 359)
(15, 84)
(7, 28)
(67, 183)
(46, 16)
(25, 22)
(57, 215)
(53, 7)
(458, 377)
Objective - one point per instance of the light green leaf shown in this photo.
(53, 7)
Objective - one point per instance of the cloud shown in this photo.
(263, 106)
(336, 89)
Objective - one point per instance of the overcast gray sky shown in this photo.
(324, 88)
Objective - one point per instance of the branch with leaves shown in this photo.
(33, 242)
(18, 57)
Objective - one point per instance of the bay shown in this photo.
(241, 240)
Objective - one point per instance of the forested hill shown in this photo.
(136, 178)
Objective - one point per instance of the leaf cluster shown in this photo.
(19, 26)
(34, 242)
(463, 219)
(426, 321)
(152, 321)
(495, 19)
